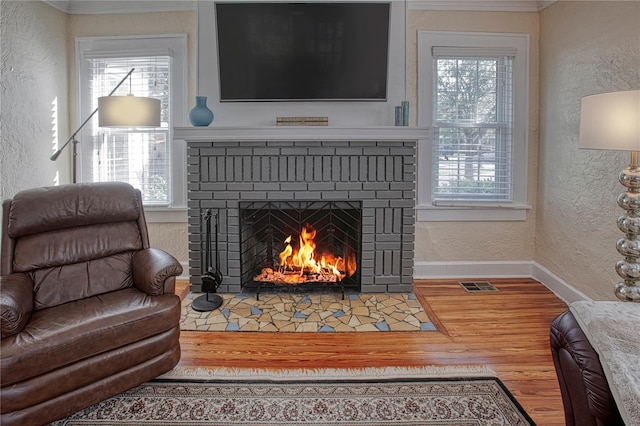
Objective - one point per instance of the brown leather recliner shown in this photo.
(88, 310)
(586, 395)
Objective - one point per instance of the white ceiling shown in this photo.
(136, 6)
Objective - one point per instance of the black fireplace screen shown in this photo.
(288, 243)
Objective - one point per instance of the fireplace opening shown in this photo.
(300, 245)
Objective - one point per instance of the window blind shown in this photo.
(139, 156)
(472, 52)
(472, 125)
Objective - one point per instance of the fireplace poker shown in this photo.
(211, 280)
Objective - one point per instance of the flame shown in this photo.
(286, 252)
(306, 259)
(351, 265)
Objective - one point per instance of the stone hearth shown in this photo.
(375, 166)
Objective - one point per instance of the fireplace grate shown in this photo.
(478, 286)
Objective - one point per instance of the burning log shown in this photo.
(268, 275)
(305, 265)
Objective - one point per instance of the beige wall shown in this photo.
(577, 48)
(479, 241)
(436, 241)
(33, 98)
(171, 237)
(133, 24)
(38, 99)
(586, 48)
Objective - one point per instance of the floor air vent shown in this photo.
(478, 286)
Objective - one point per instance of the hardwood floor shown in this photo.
(508, 331)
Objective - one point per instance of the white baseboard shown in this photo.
(453, 270)
(487, 269)
(561, 288)
(499, 269)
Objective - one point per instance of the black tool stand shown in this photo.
(211, 277)
(207, 302)
(210, 300)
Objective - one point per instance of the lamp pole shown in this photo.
(73, 139)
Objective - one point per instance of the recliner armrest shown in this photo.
(154, 271)
(16, 303)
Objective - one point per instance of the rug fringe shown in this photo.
(229, 373)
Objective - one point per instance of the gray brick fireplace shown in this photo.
(372, 166)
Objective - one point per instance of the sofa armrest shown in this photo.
(585, 391)
(16, 303)
(154, 271)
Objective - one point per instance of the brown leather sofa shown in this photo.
(88, 310)
(586, 396)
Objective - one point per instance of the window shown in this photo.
(146, 158)
(473, 97)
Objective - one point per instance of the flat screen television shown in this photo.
(314, 51)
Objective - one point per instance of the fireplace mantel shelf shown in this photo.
(300, 133)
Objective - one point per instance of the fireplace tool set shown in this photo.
(211, 276)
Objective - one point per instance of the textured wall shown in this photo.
(134, 24)
(474, 241)
(587, 47)
(33, 98)
(171, 237)
(435, 241)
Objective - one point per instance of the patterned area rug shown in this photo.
(337, 397)
(310, 313)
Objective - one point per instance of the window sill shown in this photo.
(165, 215)
(510, 213)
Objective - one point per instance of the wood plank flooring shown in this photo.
(508, 331)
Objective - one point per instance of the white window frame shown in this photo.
(174, 45)
(461, 210)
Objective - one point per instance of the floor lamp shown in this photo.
(612, 121)
(116, 111)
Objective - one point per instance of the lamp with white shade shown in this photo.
(612, 121)
(117, 111)
(128, 111)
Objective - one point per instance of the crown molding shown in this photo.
(92, 7)
(480, 5)
(61, 5)
(83, 7)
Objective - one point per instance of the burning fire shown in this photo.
(305, 264)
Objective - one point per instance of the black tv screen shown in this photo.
(302, 51)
